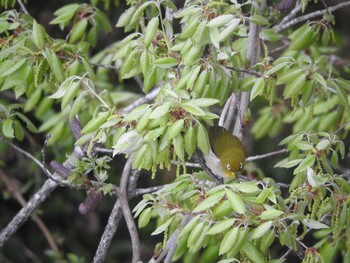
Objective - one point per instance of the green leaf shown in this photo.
(295, 87)
(277, 67)
(178, 143)
(102, 20)
(271, 35)
(246, 187)
(209, 202)
(195, 234)
(247, 83)
(220, 20)
(190, 141)
(237, 203)
(128, 143)
(323, 144)
(95, 122)
(229, 240)
(314, 224)
(304, 146)
(55, 65)
(175, 129)
(65, 14)
(38, 35)
(136, 113)
(307, 162)
(8, 129)
(267, 240)
(221, 226)
(258, 88)
(78, 31)
(125, 17)
(166, 62)
(203, 102)
(259, 20)
(13, 68)
(160, 110)
(203, 139)
(261, 230)
(162, 227)
(229, 30)
(189, 29)
(289, 164)
(250, 250)
(302, 37)
(189, 226)
(70, 94)
(145, 217)
(154, 134)
(271, 214)
(151, 31)
(193, 109)
(289, 75)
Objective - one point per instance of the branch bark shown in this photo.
(17, 195)
(309, 16)
(39, 197)
(253, 53)
(107, 236)
(123, 199)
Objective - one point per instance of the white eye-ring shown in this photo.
(240, 166)
(228, 167)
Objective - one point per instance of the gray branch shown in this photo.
(123, 199)
(48, 187)
(309, 16)
(107, 236)
(253, 54)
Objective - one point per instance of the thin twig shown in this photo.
(142, 191)
(17, 195)
(39, 197)
(247, 71)
(27, 154)
(266, 155)
(108, 233)
(309, 16)
(123, 199)
(147, 98)
(290, 16)
(23, 7)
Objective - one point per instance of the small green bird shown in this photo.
(227, 155)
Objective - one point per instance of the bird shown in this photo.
(227, 154)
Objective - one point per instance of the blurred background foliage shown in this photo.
(78, 234)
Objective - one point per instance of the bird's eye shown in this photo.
(240, 166)
(228, 167)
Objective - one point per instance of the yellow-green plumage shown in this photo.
(227, 155)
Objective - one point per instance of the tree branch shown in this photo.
(306, 17)
(39, 197)
(17, 195)
(148, 97)
(23, 7)
(253, 54)
(266, 155)
(123, 199)
(108, 233)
